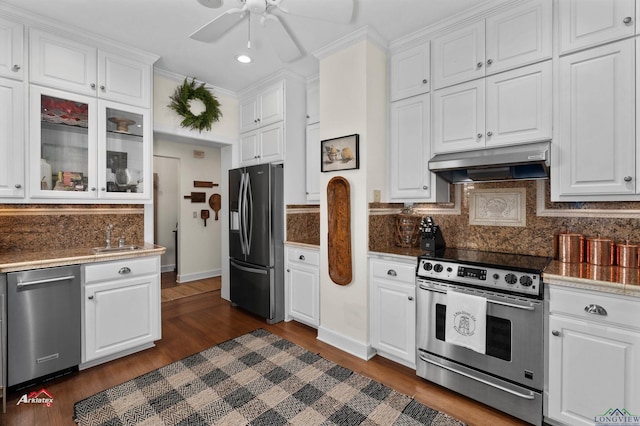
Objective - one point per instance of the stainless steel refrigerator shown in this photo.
(256, 232)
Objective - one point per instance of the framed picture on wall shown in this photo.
(340, 153)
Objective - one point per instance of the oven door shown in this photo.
(514, 335)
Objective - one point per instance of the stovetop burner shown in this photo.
(518, 262)
(499, 272)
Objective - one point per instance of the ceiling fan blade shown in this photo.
(213, 4)
(280, 39)
(220, 25)
(340, 11)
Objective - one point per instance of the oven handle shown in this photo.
(518, 394)
(495, 302)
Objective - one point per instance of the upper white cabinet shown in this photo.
(82, 148)
(12, 147)
(409, 72)
(503, 109)
(595, 152)
(313, 100)
(265, 145)
(313, 162)
(589, 23)
(410, 151)
(11, 49)
(262, 108)
(506, 40)
(68, 65)
(594, 354)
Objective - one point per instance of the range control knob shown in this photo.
(526, 281)
(511, 278)
(437, 267)
(496, 277)
(427, 266)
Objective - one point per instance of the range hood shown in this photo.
(528, 161)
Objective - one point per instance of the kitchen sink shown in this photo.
(116, 249)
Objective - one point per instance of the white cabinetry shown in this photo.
(594, 355)
(595, 153)
(264, 145)
(517, 36)
(11, 49)
(69, 65)
(410, 72)
(302, 285)
(121, 306)
(410, 151)
(313, 162)
(313, 100)
(589, 23)
(393, 309)
(503, 109)
(262, 108)
(12, 147)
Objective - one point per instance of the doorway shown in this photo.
(166, 183)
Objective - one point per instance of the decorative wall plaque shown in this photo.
(498, 207)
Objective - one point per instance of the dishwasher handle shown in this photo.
(22, 284)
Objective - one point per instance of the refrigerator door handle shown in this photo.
(250, 270)
(245, 219)
(249, 215)
(240, 214)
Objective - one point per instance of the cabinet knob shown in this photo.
(124, 270)
(392, 273)
(102, 88)
(479, 135)
(628, 178)
(15, 68)
(90, 297)
(489, 133)
(479, 64)
(288, 270)
(18, 186)
(103, 189)
(93, 86)
(555, 332)
(627, 20)
(489, 61)
(308, 116)
(258, 120)
(301, 257)
(425, 187)
(425, 81)
(410, 298)
(595, 310)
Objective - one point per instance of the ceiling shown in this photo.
(163, 27)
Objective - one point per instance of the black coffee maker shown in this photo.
(432, 241)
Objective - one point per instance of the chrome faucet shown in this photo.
(109, 228)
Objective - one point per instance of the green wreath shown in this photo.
(180, 103)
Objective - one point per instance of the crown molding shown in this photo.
(363, 33)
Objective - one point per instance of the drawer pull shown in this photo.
(124, 270)
(392, 273)
(410, 298)
(595, 310)
(301, 257)
(555, 332)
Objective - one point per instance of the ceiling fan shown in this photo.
(282, 41)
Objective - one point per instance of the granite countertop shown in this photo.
(304, 243)
(24, 260)
(609, 279)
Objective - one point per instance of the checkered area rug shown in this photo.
(255, 379)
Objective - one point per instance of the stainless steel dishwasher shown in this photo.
(43, 323)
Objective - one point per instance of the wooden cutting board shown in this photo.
(197, 197)
(339, 210)
(216, 203)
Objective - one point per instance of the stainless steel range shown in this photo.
(507, 373)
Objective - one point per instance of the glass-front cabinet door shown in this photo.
(84, 149)
(124, 152)
(63, 135)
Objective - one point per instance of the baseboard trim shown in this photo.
(346, 344)
(185, 278)
(168, 268)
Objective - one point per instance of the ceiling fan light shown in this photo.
(243, 58)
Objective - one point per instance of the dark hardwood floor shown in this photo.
(192, 324)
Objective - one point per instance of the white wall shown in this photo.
(352, 100)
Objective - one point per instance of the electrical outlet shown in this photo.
(195, 215)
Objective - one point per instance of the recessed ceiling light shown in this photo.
(243, 59)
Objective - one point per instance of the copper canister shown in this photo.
(569, 248)
(627, 255)
(600, 251)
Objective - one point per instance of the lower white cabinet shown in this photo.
(393, 309)
(594, 356)
(121, 309)
(302, 285)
